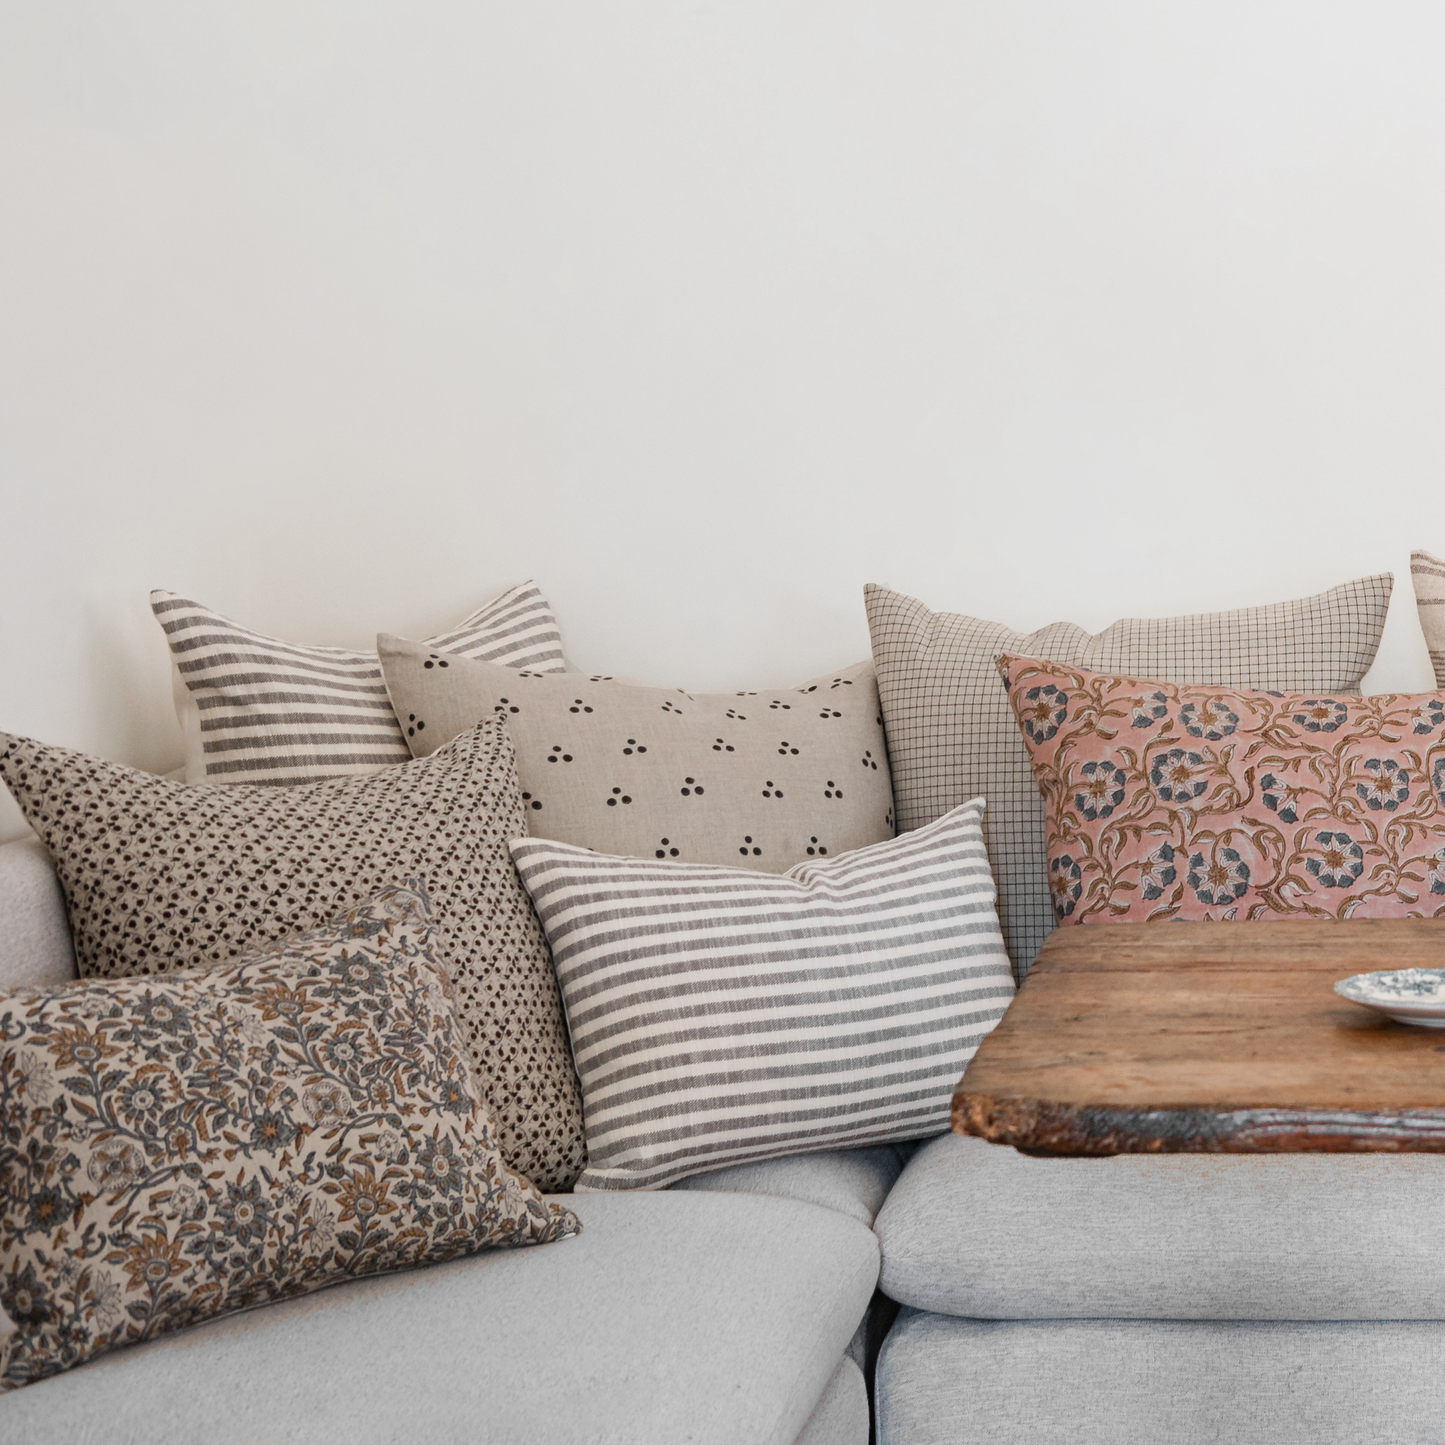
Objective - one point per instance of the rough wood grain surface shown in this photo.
(1210, 1037)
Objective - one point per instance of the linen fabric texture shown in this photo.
(720, 1016)
(758, 780)
(178, 1148)
(1427, 573)
(952, 736)
(254, 709)
(159, 876)
(1172, 802)
(1165, 1236)
(1101, 1382)
(707, 1318)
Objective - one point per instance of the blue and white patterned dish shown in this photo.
(1407, 995)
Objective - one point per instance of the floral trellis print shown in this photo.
(178, 1147)
(1168, 801)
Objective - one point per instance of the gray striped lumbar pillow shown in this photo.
(256, 710)
(720, 1015)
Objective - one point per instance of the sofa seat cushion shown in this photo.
(842, 1416)
(853, 1181)
(674, 1316)
(945, 1381)
(979, 1229)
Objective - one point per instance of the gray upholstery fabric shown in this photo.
(944, 1381)
(674, 1317)
(35, 940)
(978, 1229)
(853, 1181)
(841, 1416)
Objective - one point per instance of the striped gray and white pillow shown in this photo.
(720, 1015)
(257, 710)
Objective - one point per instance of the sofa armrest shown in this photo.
(35, 947)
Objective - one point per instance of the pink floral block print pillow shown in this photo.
(176, 1148)
(1166, 801)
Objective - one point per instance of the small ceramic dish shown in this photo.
(1408, 995)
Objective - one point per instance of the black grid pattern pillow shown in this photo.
(720, 1015)
(257, 710)
(1428, 575)
(951, 735)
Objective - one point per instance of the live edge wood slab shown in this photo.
(1210, 1038)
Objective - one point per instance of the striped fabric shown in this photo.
(720, 1015)
(1428, 574)
(256, 710)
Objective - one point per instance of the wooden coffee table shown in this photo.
(1210, 1037)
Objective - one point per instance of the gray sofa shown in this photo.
(1181, 1298)
(734, 1309)
(1131, 1301)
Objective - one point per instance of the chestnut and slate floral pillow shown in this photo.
(160, 875)
(182, 1147)
(1171, 802)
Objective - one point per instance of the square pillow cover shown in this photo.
(254, 709)
(951, 735)
(1427, 575)
(161, 875)
(1171, 802)
(177, 1148)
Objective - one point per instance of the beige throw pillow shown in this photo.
(1428, 574)
(952, 737)
(160, 875)
(758, 780)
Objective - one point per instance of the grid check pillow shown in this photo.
(1428, 574)
(721, 1015)
(257, 710)
(951, 735)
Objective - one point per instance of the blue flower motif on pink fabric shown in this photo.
(1101, 789)
(1045, 708)
(1340, 860)
(1387, 787)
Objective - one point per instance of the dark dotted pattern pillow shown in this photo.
(760, 780)
(160, 875)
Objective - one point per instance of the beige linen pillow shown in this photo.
(160, 875)
(952, 737)
(756, 780)
(1427, 572)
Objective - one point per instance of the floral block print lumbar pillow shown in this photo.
(178, 1148)
(722, 1015)
(160, 875)
(754, 780)
(254, 709)
(1211, 803)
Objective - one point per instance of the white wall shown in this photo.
(340, 317)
